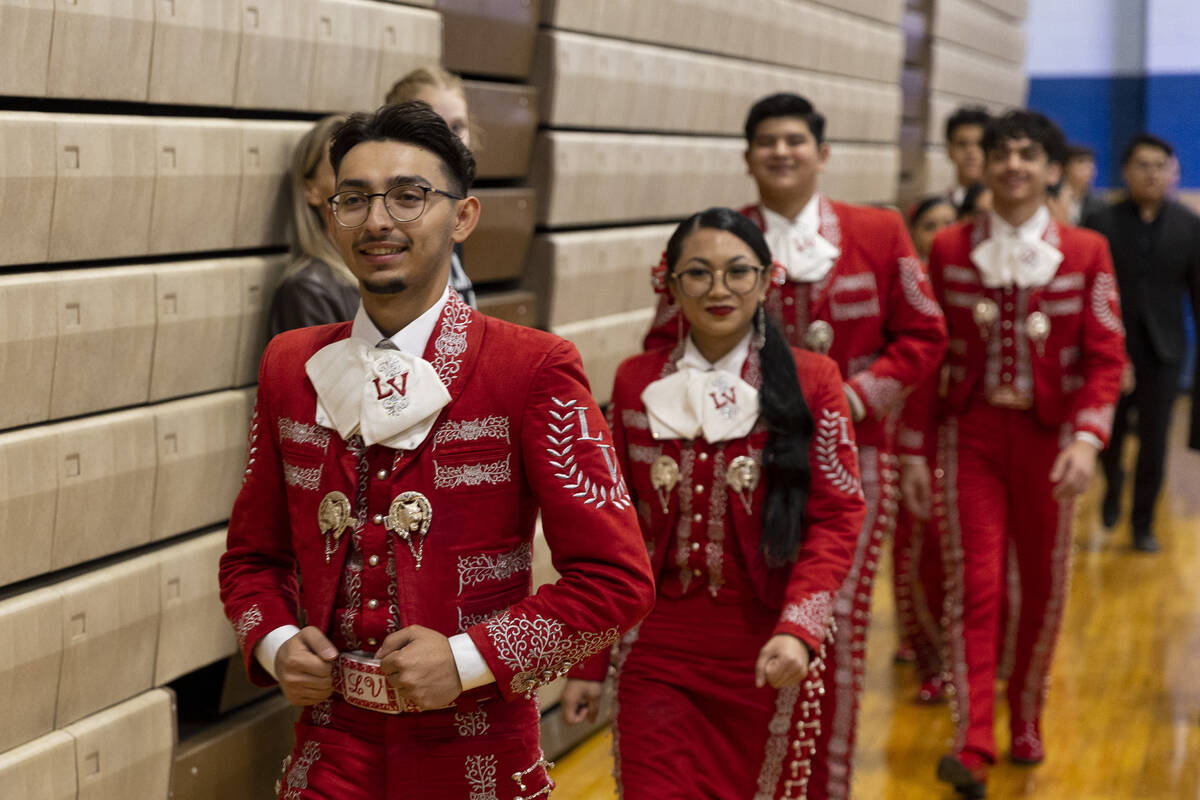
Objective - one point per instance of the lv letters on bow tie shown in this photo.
(389, 397)
(691, 403)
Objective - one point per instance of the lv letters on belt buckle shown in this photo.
(360, 680)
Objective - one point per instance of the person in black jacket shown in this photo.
(1155, 245)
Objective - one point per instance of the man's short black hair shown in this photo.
(1020, 123)
(412, 123)
(966, 115)
(785, 104)
(1077, 151)
(1145, 140)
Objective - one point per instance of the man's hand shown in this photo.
(1128, 379)
(302, 665)
(1073, 469)
(419, 663)
(915, 486)
(782, 662)
(581, 700)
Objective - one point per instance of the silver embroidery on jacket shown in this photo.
(472, 430)
(960, 274)
(538, 650)
(635, 419)
(250, 619)
(303, 433)
(454, 475)
(832, 431)
(812, 614)
(451, 342)
(567, 427)
(308, 478)
(913, 280)
(297, 775)
(1104, 296)
(471, 723)
(473, 570)
(469, 620)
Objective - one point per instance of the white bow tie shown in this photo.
(1012, 261)
(691, 403)
(389, 397)
(807, 257)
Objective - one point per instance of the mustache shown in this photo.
(366, 241)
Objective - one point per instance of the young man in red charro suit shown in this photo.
(1027, 397)
(397, 464)
(857, 292)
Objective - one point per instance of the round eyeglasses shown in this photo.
(404, 203)
(696, 282)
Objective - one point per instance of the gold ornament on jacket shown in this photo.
(1037, 329)
(333, 518)
(819, 337)
(664, 477)
(985, 313)
(409, 517)
(742, 476)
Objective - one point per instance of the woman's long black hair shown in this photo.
(781, 403)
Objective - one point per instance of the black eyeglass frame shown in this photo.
(332, 200)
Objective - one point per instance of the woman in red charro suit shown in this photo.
(740, 455)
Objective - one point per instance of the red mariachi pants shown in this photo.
(996, 494)
(846, 658)
(348, 753)
(919, 591)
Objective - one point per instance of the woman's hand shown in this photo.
(782, 662)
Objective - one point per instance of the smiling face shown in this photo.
(927, 226)
(720, 318)
(1018, 171)
(388, 256)
(784, 158)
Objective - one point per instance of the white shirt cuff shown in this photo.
(1091, 439)
(269, 645)
(857, 410)
(473, 671)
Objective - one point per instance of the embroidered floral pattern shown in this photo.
(307, 478)
(635, 419)
(563, 438)
(862, 281)
(831, 226)
(453, 476)
(859, 310)
(1062, 308)
(480, 772)
(474, 570)
(538, 650)
(1099, 418)
(469, 620)
(451, 342)
(472, 723)
(250, 619)
(303, 433)
(882, 395)
(812, 614)
(472, 430)
(321, 714)
(832, 432)
(1072, 282)
(1104, 300)
(641, 454)
(913, 281)
(960, 274)
(297, 774)
(776, 750)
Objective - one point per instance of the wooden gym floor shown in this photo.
(1123, 717)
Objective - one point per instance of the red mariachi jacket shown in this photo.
(519, 401)
(888, 333)
(1074, 373)
(833, 516)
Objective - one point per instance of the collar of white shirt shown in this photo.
(1017, 255)
(732, 362)
(412, 338)
(798, 245)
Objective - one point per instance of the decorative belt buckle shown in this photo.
(361, 681)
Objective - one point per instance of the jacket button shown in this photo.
(697, 517)
(382, 474)
(373, 560)
(372, 641)
(695, 546)
(703, 456)
(699, 488)
(372, 604)
(377, 519)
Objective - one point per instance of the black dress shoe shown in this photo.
(1110, 510)
(971, 784)
(1145, 543)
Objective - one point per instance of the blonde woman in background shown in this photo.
(317, 288)
(444, 93)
